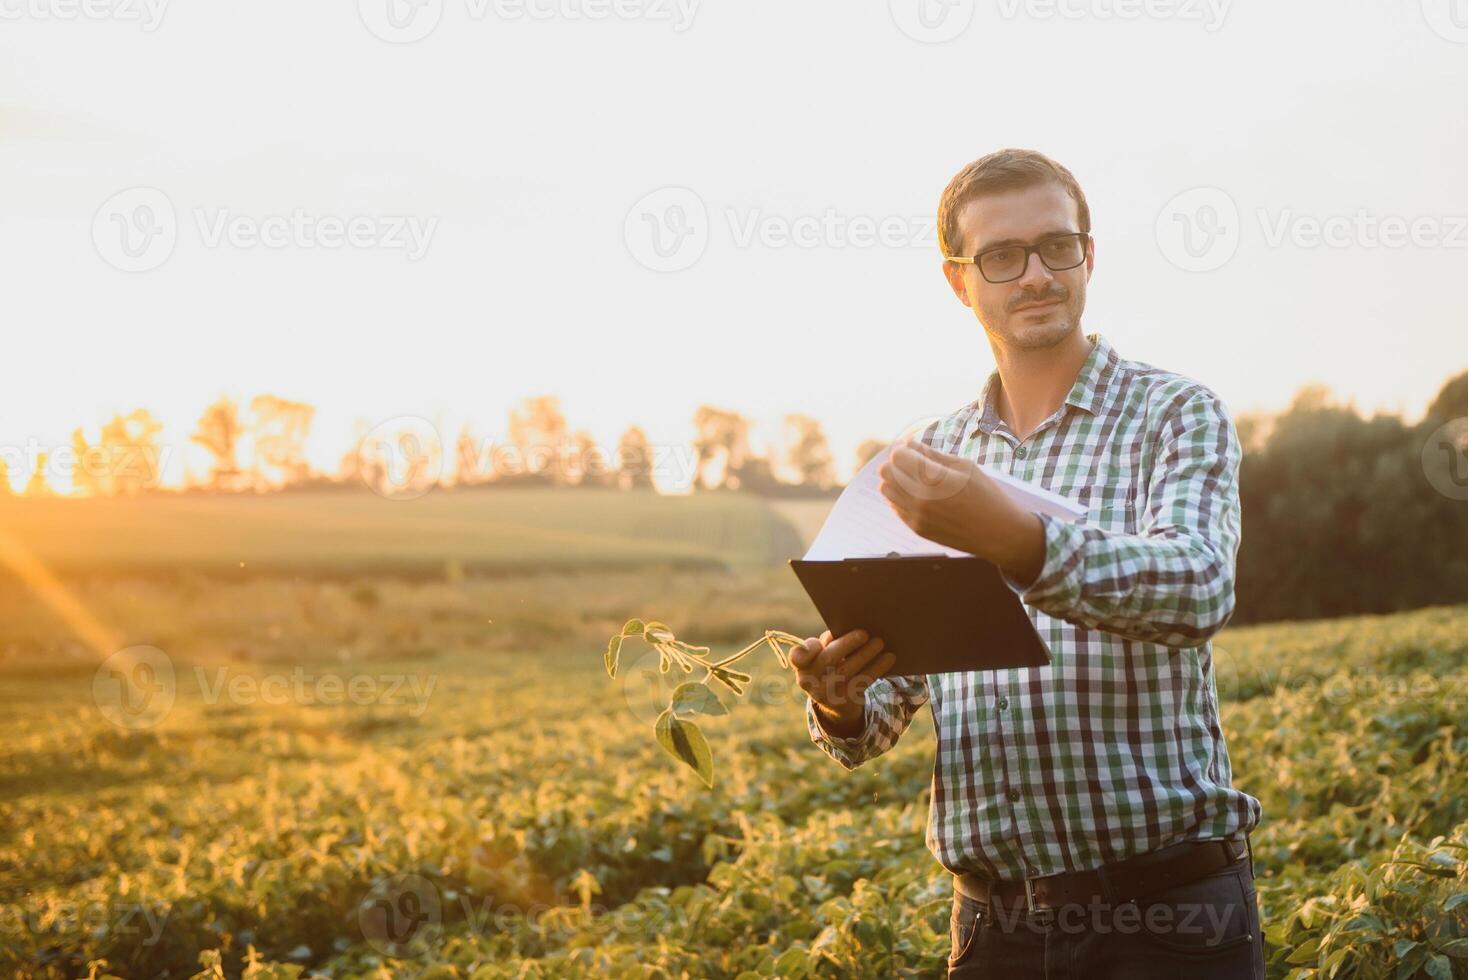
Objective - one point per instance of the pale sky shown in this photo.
(537, 145)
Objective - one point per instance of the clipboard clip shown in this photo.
(892, 554)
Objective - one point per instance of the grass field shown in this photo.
(353, 531)
(368, 776)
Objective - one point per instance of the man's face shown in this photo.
(1024, 217)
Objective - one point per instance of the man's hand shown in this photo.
(836, 674)
(952, 501)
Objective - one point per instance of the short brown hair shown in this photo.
(1003, 170)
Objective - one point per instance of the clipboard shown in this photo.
(938, 614)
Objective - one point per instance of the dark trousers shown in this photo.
(1206, 929)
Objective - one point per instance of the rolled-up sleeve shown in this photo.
(890, 704)
(1172, 583)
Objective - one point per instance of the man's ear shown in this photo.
(953, 272)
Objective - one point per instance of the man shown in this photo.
(1084, 807)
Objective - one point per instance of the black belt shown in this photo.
(1129, 880)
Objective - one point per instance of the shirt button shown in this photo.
(1014, 796)
(1021, 452)
(1003, 703)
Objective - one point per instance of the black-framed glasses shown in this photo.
(1005, 263)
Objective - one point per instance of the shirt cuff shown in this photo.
(845, 750)
(1058, 584)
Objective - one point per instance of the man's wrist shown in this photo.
(1019, 548)
(839, 724)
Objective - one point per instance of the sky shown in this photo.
(437, 208)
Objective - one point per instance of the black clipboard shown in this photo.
(937, 614)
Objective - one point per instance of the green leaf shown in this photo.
(696, 697)
(1453, 901)
(614, 648)
(657, 632)
(633, 627)
(1456, 948)
(1438, 967)
(734, 680)
(684, 742)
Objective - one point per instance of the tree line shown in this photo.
(1342, 514)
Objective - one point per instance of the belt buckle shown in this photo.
(1030, 906)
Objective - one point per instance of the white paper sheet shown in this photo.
(862, 524)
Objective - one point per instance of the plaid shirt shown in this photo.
(1114, 748)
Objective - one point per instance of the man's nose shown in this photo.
(1036, 272)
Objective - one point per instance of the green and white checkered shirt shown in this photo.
(1114, 748)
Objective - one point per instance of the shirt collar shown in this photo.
(1087, 393)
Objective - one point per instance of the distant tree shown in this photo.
(279, 430)
(810, 454)
(86, 464)
(634, 460)
(219, 430)
(591, 465)
(468, 468)
(36, 485)
(867, 450)
(722, 437)
(1452, 399)
(1338, 518)
(128, 459)
(538, 431)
